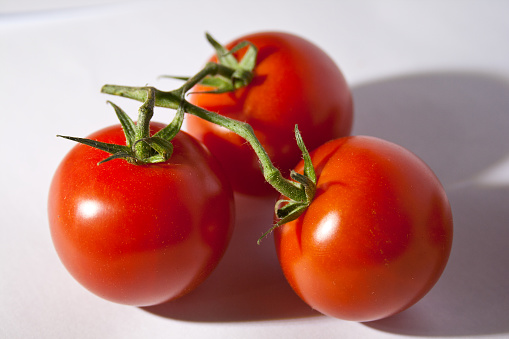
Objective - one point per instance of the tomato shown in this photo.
(140, 234)
(377, 235)
(295, 82)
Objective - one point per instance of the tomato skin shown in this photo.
(140, 234)
(377, 236)
(295, 82)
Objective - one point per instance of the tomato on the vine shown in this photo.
(295, 82)
(140, 234)
(377, 235)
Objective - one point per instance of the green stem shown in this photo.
(142, 130)
(210, 68)
(172, 99)
(271, 174)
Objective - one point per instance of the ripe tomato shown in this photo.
(294, 82)
(140, 234)
(377, 235)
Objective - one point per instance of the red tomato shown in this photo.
(140, 234)
(377, 235)
(294, 82)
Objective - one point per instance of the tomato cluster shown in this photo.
(367, 234)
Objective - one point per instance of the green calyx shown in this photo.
(140, 147)
(230, 74)
(289, 209)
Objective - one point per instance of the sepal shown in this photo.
(239, 72)
(127, 123)
(103, 146)
(309, 169)
(163, 147)
(171, 130)
(159, 147)
(223, 55)
(120, 155)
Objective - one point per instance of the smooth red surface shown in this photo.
(377, 236)
(140, 235)
(295, 82)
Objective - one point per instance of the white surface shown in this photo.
(430, 75)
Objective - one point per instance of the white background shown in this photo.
(432, 76)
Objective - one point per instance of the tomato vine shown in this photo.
(227, 75)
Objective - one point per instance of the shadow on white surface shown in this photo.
(472, 298)
(248, 284)
(458, 123)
